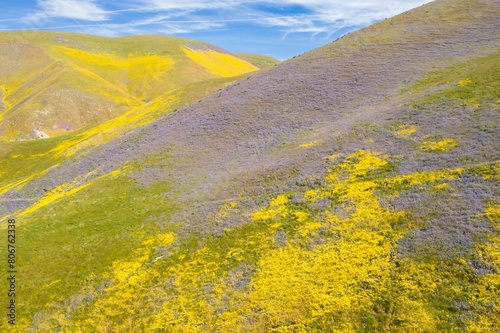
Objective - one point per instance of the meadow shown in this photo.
(354, 188)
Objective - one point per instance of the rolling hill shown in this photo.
(354, 188)
(54, 83)
(258, 60)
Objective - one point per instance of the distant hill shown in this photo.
(53, 83)
(258, 60)
(354, 188)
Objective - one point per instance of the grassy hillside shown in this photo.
(54, 83)
(258, 60)
(354, 188)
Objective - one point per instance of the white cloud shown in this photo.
(72, 9)
(188, 5)
(323, 16)
(176, 16)
(334, 15)
(147, 26)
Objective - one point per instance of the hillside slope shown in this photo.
(354, 188)
(259, 60)
(53, 83)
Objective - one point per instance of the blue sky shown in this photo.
(279, 28)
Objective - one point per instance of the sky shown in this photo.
(278, 28)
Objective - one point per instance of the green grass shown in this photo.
(384, 236)
(99, 225)
(258, 60)
(472, 82)
(23, 159)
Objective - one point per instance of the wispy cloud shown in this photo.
(319, 16)
(287, 21)
(72, 9)
(331, 16)
(195, 5)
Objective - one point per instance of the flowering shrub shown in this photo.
(443, 145)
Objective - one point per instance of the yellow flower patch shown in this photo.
(405, 131)
(443, 145)
(219, 64)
